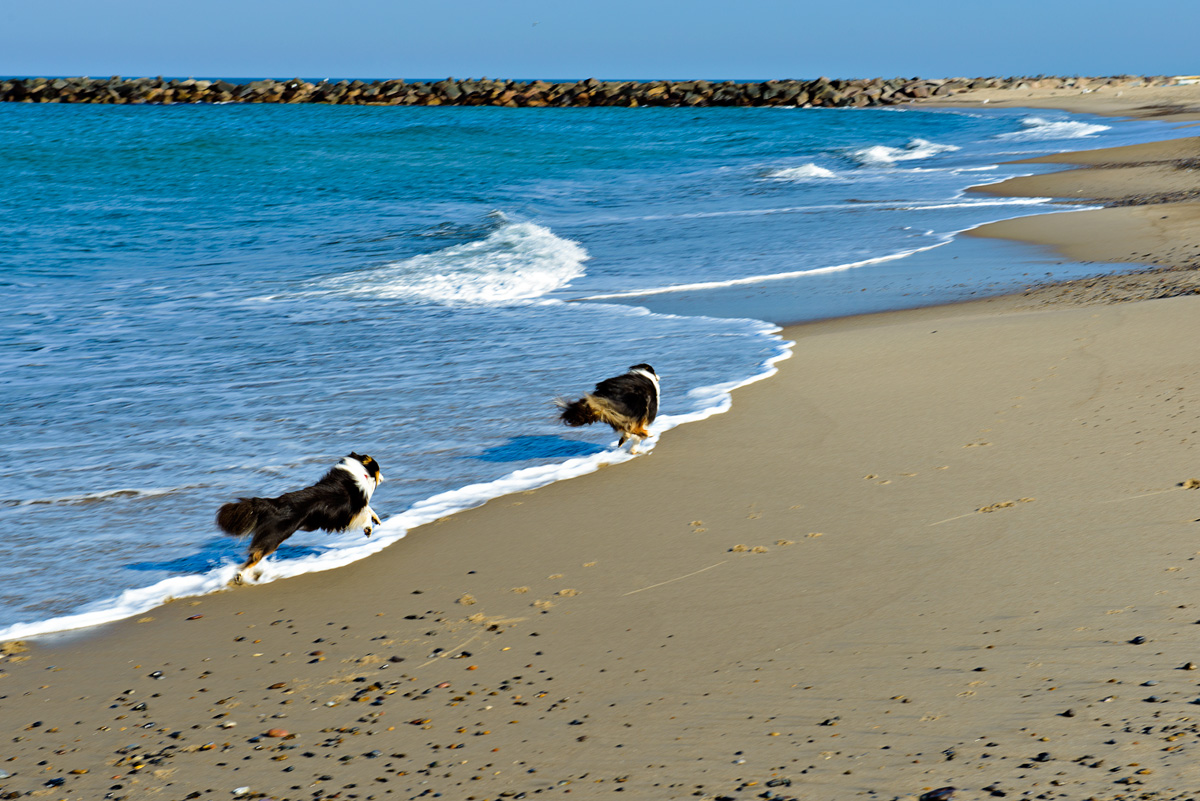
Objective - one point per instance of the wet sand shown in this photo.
(1150, 194)
(949, 547)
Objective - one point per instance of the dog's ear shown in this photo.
(372, 467)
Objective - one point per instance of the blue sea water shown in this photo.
(202, 302)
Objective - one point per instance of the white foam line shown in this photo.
(874, 204)
(758, 279)
(135, 601)
(1020, 201)
(836, 268)
(1054, 210)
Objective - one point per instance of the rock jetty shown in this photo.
(485, 92)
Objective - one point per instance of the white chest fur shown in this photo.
(364, 481)
(653, 379)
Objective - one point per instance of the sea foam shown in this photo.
(759, 279)
(883, 155)
(805, 172)
(1038, 129)
(516, 261)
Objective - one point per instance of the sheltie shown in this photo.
(340, 501)
(626, 402)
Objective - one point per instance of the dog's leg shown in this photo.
(366, 520)
(256, 556)
(369, 529)
(266, 541)
(638, 436)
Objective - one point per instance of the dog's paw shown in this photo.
(368, 530)
(237, 580)
(375, 519)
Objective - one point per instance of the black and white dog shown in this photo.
(626, 402)
(341, 500)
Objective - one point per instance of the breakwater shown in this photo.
(484, 92)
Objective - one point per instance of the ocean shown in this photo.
(206, 302)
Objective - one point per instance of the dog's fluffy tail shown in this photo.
(239, 518)
(582, 412)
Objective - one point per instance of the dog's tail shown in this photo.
(582, 412)
(239, 518)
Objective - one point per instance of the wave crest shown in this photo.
(87, 498)
(882, 155)
(516, 261)
(805, 172)
(1040, 128)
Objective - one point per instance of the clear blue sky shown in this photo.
(616, 39)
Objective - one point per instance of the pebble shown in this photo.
(276, 733)
(940, 794)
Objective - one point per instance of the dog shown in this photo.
(626, 402)
(340, 501)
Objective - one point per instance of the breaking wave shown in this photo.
(1039, 129)
(805, 172)
(516, 261)
(916, 149)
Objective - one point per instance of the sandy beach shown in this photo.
(943, 548)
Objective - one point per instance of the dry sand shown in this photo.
(951, 547)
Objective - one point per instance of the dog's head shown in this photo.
(370, 465)
(645, 367)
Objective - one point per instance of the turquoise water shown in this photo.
(211, 301)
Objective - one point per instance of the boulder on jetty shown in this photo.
(536, 94)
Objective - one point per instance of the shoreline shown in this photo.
(138, 600)
(946, 549)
